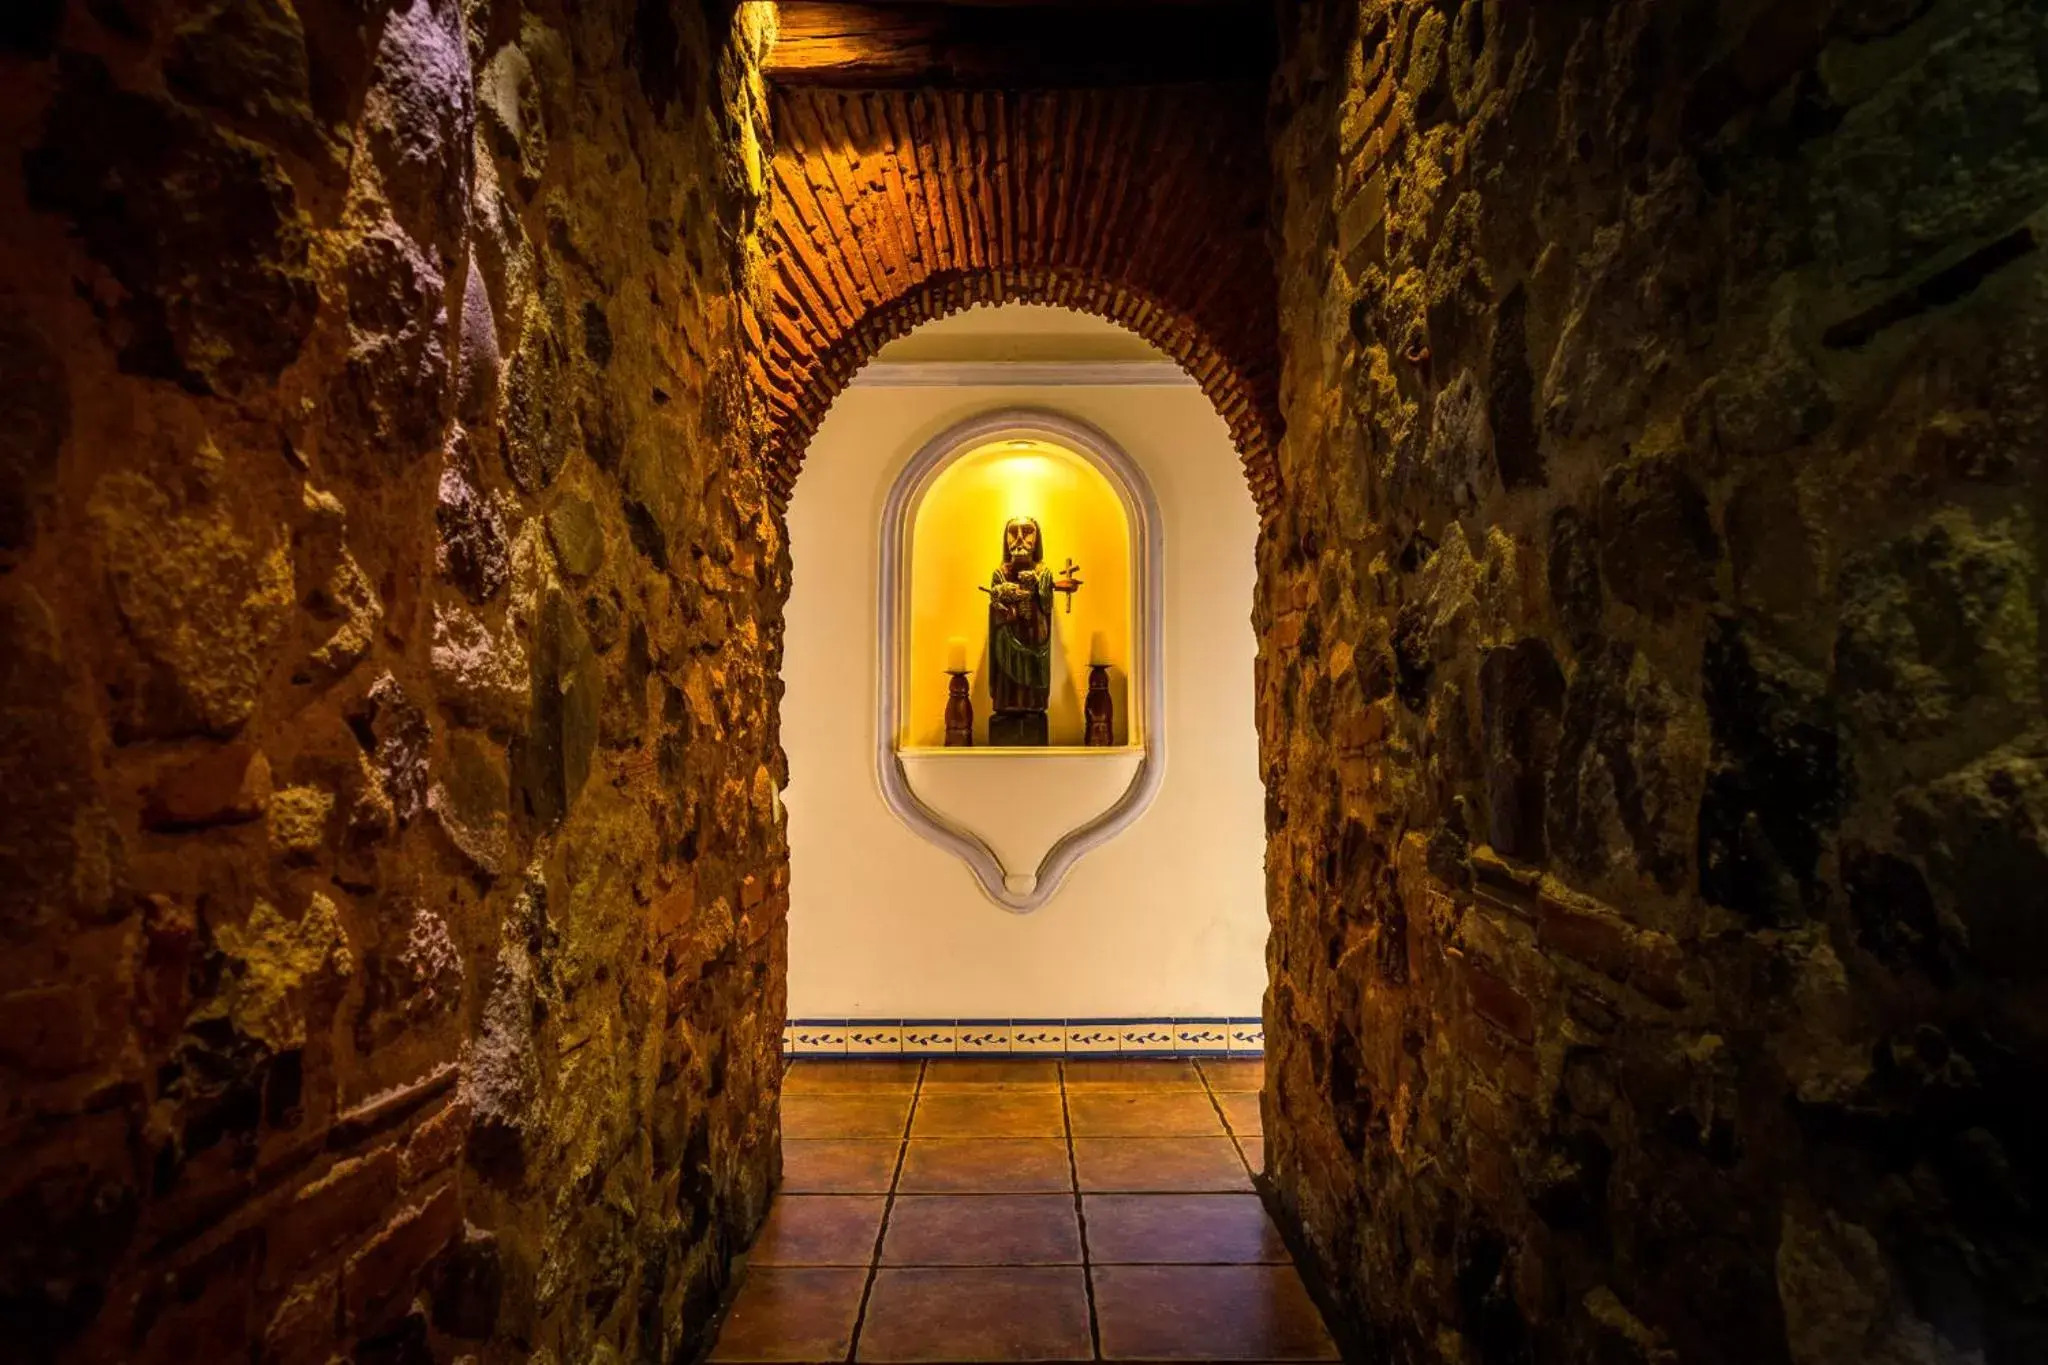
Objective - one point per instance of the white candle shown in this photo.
(956, 654)
(1098, 647)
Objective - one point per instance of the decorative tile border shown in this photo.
(1201, 1037)
(863, 1038)
(1213, 1036)
(1147, 1035)
(825, 1037)
(1045, 1037)
(937, 1035)
(982, 1035)
(1093, 1035)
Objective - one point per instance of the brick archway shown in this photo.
(1146, 207)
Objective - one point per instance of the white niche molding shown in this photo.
(1021, 818)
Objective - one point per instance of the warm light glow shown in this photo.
(956, 544)
(1024, 480)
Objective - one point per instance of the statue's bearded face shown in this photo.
(1020, 542)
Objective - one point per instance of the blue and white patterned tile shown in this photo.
(869, 1037)
(1201, 1037)
(819, 1037)
(932, 1037)
(1145, 1035)
(1040, 1037)
(981, 1035)
(1048, 1037)
(1092, 1035)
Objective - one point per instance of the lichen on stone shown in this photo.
(276, 964)
(201, 590)
(337, 592)
(298, 821)
(539, 425)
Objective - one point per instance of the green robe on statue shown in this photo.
(1020, 648)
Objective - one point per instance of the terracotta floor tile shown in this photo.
(1109, 1073)
(990, 1113)
(1141, 1113)
(1159, 1165)
(984, 1166)
(862, 1114)
(1254, 1153)
(1234, 1312)
(1241, 1112)
(792, 1315)
(819, 1229)
(1008, 1313)
(837, 1075)
(864, 1166)
(1180, 1229)
(1033, 1073)
(1234, 1073)
(982, 1229)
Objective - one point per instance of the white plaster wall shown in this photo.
(1168, 919)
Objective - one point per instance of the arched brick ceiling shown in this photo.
(1146, 206)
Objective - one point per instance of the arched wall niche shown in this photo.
(945, 795)
(893, 208)
(956, 532)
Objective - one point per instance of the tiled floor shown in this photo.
(1020, 1210)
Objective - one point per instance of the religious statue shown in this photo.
(1020, 634)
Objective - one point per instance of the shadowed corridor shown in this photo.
(1634, 421)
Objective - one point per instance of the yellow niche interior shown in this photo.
(957, 545)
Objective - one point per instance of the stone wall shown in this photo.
(1651, 687)
(391, 944)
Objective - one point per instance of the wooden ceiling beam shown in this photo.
(1021, 44)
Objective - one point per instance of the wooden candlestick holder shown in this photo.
(959, 712)
(1100, 710)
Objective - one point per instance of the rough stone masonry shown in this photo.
(1651, 678)
(391, 945)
